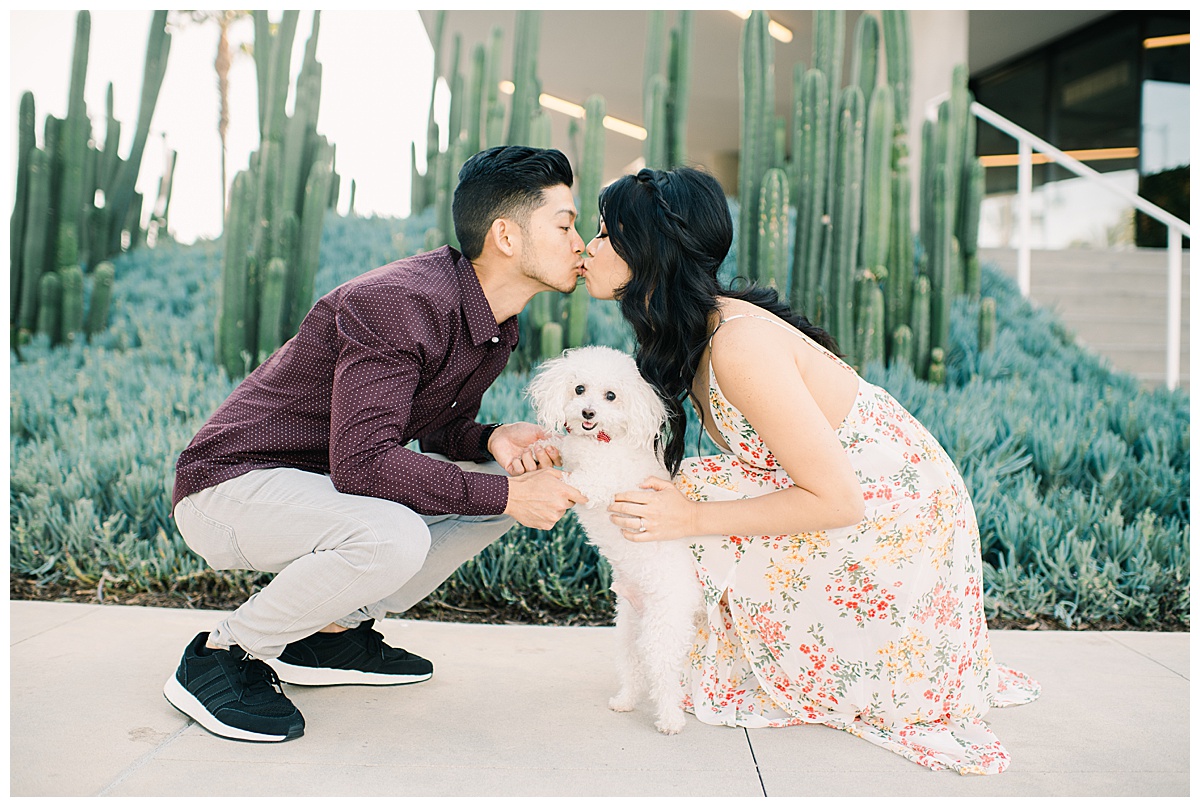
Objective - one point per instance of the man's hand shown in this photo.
(511, 445)
(539, 498)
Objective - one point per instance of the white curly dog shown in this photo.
(609, 418)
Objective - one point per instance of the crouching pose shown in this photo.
(304, 470)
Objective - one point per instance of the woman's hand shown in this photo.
(514, 447)
(657, 511)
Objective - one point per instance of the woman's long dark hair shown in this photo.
(673, 229)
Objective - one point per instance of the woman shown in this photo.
(838, 550)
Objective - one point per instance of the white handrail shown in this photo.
(1176, 227)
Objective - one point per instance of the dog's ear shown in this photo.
(547, 391)
(647, 412)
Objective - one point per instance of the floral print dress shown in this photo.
(876, 629)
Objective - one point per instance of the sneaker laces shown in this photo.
(371, 641)
(257, 676)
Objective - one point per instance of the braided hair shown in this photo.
(673, 229)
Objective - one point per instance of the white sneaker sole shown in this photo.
(187, 703)
(329, 676)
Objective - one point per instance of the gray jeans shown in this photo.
(337, 557)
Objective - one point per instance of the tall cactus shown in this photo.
(277, 208)
(921, 325)
(866, 54)
(33, 256)
(495, 109)
(591, 167)
(941, 267)
(75, 134)
(102, 285)
(655, 115)
(773, 229)
(678, 97)
(26, 143)
(666, 89)
(812, 170)
(71, 324)
(829, 42)
(757, 133)
(846, 216)
(474, 101)
(869, 341)
(877, 182)
(120, 196)
(525, 92)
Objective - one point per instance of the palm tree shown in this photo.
(224, 60)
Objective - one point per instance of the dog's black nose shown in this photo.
(588, 414)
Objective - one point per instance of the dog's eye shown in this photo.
(610, 396)
(579, 390)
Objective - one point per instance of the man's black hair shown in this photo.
(503, 182)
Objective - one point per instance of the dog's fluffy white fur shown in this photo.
(608, 419)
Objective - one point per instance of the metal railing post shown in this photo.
(1025, 197)
(1174, 303)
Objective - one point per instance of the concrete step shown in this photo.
(1115, 302)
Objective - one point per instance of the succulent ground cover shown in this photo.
(1080, 476)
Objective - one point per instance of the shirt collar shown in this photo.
(481, 320)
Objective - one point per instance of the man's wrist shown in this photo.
(485, 437)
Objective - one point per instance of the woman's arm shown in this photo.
(768, 388)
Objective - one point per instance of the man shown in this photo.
(303, 470)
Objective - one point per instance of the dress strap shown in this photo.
(751, 316)
(783, 325)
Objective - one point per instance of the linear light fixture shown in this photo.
(1167, 41)
(576, 111)
(1083, 155)
(780, 32)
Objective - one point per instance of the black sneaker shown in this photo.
(232, 695)
(356, 656)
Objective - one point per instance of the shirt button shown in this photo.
(495, 339)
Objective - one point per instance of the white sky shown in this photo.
(376, 72)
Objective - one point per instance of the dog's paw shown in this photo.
(670, 724)
(621, 702)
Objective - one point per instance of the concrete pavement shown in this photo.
(520, 711)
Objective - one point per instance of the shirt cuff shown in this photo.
(488, 493)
